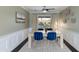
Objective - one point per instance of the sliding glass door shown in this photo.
(43, 21)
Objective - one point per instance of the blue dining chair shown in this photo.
(51, 36)
(38, 35)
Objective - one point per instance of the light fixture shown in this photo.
(44, 11)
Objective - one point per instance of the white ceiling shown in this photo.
(37, 9)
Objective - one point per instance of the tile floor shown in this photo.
(44, 46)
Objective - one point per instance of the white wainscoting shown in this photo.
(10, 41)
(71, 37)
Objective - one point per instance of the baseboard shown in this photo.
(20, 46)
(70, 46)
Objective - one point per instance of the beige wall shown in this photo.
(33, 21)
(7, 19)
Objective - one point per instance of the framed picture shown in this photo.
(20, 17)
(73, 20)
(65, 20)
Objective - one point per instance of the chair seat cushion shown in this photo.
(38, 35)
(51, 36)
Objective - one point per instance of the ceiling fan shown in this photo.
(45, 9)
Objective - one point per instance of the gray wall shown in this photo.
(8, 19)
(74, 13)
(74, 26)
(69, 29)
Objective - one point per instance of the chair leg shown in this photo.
(42, 42)
(48, 43)
(35, 43)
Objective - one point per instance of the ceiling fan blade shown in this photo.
(51, 8)
(47, 9)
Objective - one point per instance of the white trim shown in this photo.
(71, 37)
(10, 41)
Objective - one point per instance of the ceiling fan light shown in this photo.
(44, 11)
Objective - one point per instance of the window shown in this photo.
(43, 21)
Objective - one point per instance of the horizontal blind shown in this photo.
(44, 17)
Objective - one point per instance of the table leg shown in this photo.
(61, 41)
(29, 41)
